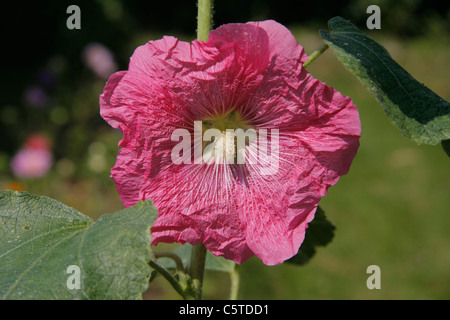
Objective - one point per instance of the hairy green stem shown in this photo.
(198, 255)
(173, 256)
(234, 277)
(315, 55)
(204, 19)
(197, 269)
(174, 282)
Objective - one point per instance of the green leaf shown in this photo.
(40, 238)
(211, 262)
(320, 232)
(419, 113)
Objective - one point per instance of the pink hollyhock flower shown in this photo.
(246, 76)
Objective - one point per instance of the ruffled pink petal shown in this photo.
(282, 43)
(107, 109)
(277, 208)
(319, 132)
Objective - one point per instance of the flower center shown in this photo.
(229, 120)
(224, 147)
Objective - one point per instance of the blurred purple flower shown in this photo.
(99, 59)
(31, 163)
(47, 78)
(35, 96)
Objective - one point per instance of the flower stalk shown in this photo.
(197, 269)
(175, 283)
(173, 256)
(315, 55)
(204, 19)
(234, 279)
(198, 255)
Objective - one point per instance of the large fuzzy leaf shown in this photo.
(418, 112)
(41, 238)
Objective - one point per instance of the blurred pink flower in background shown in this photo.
(99, 59)
(37, 141)
(34, 159)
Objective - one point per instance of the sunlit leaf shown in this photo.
(41, 238)
(418, 112)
